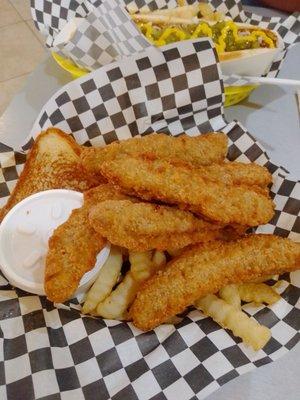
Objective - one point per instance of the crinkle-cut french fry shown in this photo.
(116, 304)
(159, 260)
(140, 265)
(231, 295)
(258, 293)
(279, 286)
(143, 265)
(249, 330)
(106, 280)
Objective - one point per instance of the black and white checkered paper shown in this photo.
(107, 32)
(52, 351)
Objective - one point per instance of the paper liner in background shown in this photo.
(51, 350)
(107, 32)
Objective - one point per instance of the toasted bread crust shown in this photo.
(52, 163)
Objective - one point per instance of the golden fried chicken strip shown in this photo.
(144, 226)
(104, 192)
(144, 218)
(227, 233)
(74, 246)
(52, 163)
(198, 150)
(185, 186)
(204, 150)
(237, 173)
(205, 269)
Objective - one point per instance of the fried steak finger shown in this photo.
(205, 269)
(162, 242)
(198, 150)
(237, 173)
(144, 226)
(74, 246)
(185, 186)
(145, 218)
(104, 192)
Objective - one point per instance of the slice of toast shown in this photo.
(52, 163)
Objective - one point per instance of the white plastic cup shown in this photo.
(24, 235)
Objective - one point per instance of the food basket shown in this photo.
(233, 94)
(67, 355)
(104, 32)
(236, 94)
(69, 65)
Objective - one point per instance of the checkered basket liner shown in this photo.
(51, 351)
(107, 32)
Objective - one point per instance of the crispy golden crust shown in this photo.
(52, 163)
(144, 218)
(205, 269)
(236, 173)
(227, 233)
(232, 232)
(104, 192)
(74, 246)
(72, 252)
(145, 226)
(198, 150)
(187, 187)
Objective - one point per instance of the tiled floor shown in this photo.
(21, 48)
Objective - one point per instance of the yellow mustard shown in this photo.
(254, 35)
(202, 29)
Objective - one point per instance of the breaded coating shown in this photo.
(205, 269)
(146, 226)
(232, 232)
(237, 173)
(104, 192)
(187, 187)
(74, 246)
(52, 163)
(144, 218)
(227, 233)
(198, 150)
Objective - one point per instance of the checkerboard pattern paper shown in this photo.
(50, 16)
(107, 32)
(65, 355)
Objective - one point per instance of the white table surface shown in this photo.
(271, 115)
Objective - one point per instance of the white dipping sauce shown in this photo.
(24, 235)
